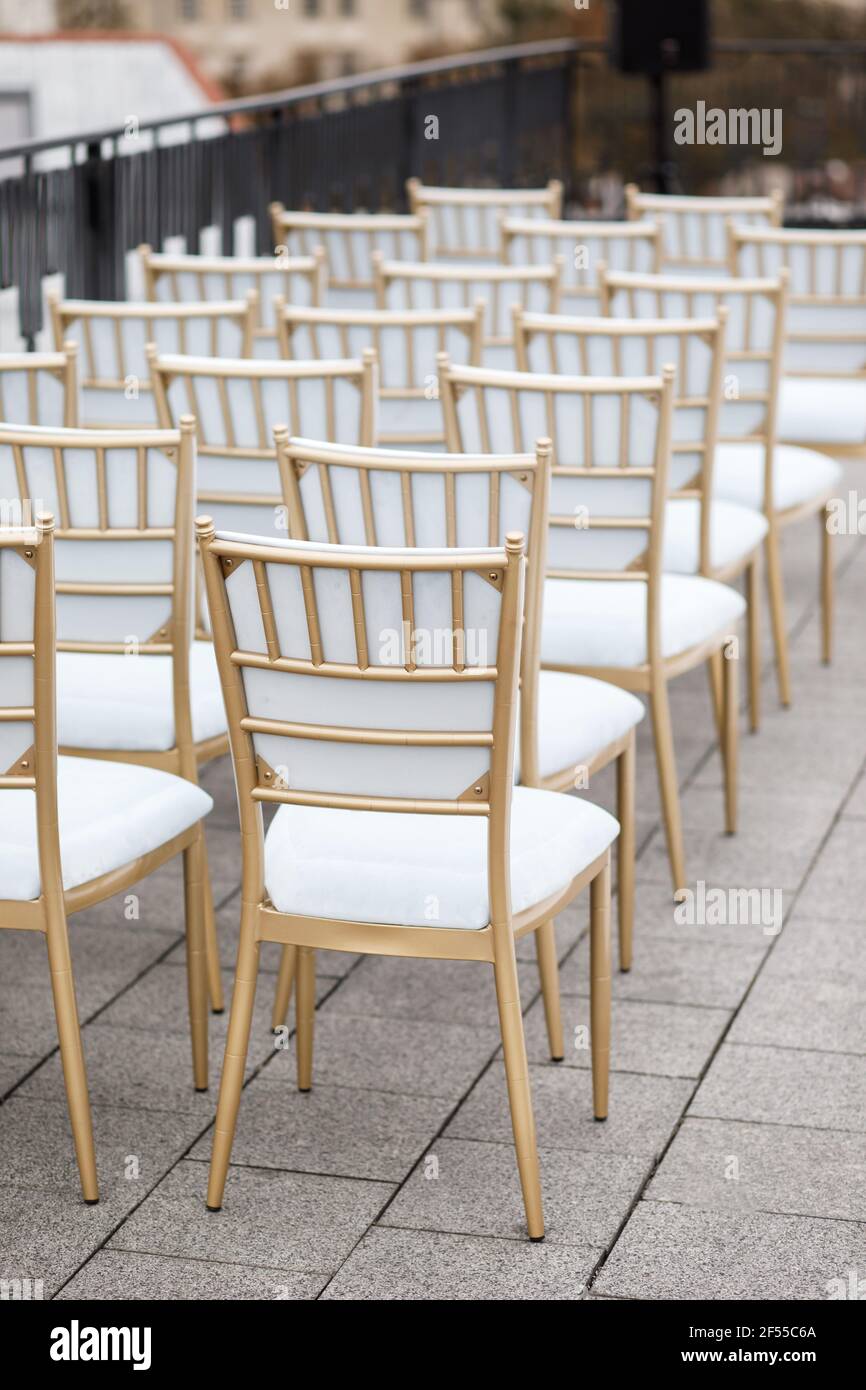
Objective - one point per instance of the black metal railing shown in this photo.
(507, 116)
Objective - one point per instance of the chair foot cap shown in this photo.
(557, 1059)
(624, 969)
(218, 1011)
(536, 1240)
(599, 1119)
(305, 1090)
(208, 1207)
(201, 1090)
(91, 1201)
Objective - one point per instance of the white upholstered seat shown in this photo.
(578, 716)
(822, 410)
(426, 870)
(735, 531)
(590, 622)
(110, 814)
(798, 475)
(125, 702)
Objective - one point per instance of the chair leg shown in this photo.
(599, 988)
(777, 612)
(214, 978)
(714, 671)
(667, 774)
(305, 1005)
(196, 958)
(548, 969)
(71, 1052)
(237, 1043)
(753, 586)
(519, 1094)
(729, 741)
(826, 588)
(625, 779)
(283, 991)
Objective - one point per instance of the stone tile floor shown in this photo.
(732, 1164)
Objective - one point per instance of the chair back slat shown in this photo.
(464, 222)
(826, 318)
(754, 334)
(238, 404)
(40, 388)
(584, 249)
(205, 279)
(406, 345)
(694, 233)
(348, 681)
(350, 240)
(405, 287)
(123, 501)
(116, 390)
(611, 447)
(642, 347)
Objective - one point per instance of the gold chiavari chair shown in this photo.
(694, 229)
(77, 830)
(702, 535)
(202, 279)
(822, 396)
(390, 763)
(609, 610)
(570, 726)
(132, 685)
(350, 241)
(236, 406)
(40, 388)
(406, 345)
(751, 467)
(584, 249)
(464, 222)
(115, 383)
(403, 287)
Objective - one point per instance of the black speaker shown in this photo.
(654, 36)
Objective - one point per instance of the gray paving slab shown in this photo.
(291, 1221)
(783, 1086)
(331, 1129)
(126, 1274)
(668, 971)
(654, 1039)
(386, 1054)
(729, 1166)
(643, 1111)
(472, 1188)
(678, 1252)
(393, 1265)
(810, 993)
(836, 886)
(429, 991)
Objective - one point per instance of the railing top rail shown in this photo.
(295, 96)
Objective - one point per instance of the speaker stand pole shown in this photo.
(664, 170)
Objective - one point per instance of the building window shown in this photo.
(419, 8)
(312, 6)
(347, 6)
(237, 9)
(188, 9)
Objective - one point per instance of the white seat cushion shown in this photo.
(590, 622)
(822, 410)
(579, 716)
(110, 814)
(426, 871)
(798, 475)
(735, 531)
(125, 702)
